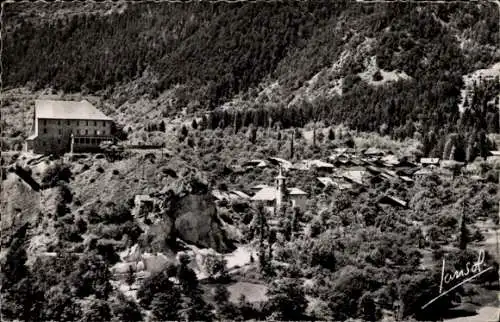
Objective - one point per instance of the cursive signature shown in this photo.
(470, 268)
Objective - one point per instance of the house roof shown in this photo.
(390, 159)
(394, 200)
(423, 172)
(355, 176)
(319, 164)
(495, 153)
(373, 151)
(281, 162)
(260, 186)
(240, 194)
(326, 181)
(265, 194)
(429, 160)
(451, 163)
(220, 195)
(32, 137)
(296, 191)
(255, 163)
(83, 110)
(406, 179)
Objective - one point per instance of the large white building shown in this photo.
(55, 122)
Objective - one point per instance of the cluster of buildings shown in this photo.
(344, 169)
(67, 126)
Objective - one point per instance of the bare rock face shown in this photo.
(196, 222)
(187, 211)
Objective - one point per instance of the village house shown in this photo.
(273, 198)
(64, 126)
(424, 162)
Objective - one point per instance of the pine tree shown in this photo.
(314, 135)
(464, 234)
(331, 134)
(130, 276)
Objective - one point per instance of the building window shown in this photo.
(86, 131)
(78, 123)
(58, 122)
(59, 141)
(67, 122)
(45, 130)
(87, 123)
(44, 122)
(60, 132)
(95, 123)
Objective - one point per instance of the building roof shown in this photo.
(390, 159)
(259, 186)
(326, 181)
(255, 163)
(281, 162)
(220, 195)
(32, 137)
(406, 179)
(265, 194)
(495, 153)
(296, 191)
(373, 151)
(240, 194)
(83, 110)
(394, 200)
(423, 172)
(320, 164)
(429, 160)
(355, 176)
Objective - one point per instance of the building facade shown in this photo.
(58, 124)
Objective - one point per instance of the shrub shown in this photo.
(377, 76)
(55, 173)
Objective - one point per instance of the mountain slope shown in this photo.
(322, 60)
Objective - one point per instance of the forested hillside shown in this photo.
(323, 61)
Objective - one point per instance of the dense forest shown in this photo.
(215, 52)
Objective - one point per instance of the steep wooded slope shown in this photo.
(330, 62)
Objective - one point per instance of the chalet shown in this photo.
(282, 163)
(494, 156)
(255, 163)
(236, 194)
(422, 173)
(266, 195)
(220, 195)
(391, 200)
(451, 164)
(356, 176)
(259, 187)
(297, 197)
(316, 164)
(64, 126)
(406, 179)
(325, 182)
(390, 160)
(424, 162)
(372, 152)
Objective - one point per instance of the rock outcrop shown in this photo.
(184, 210)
